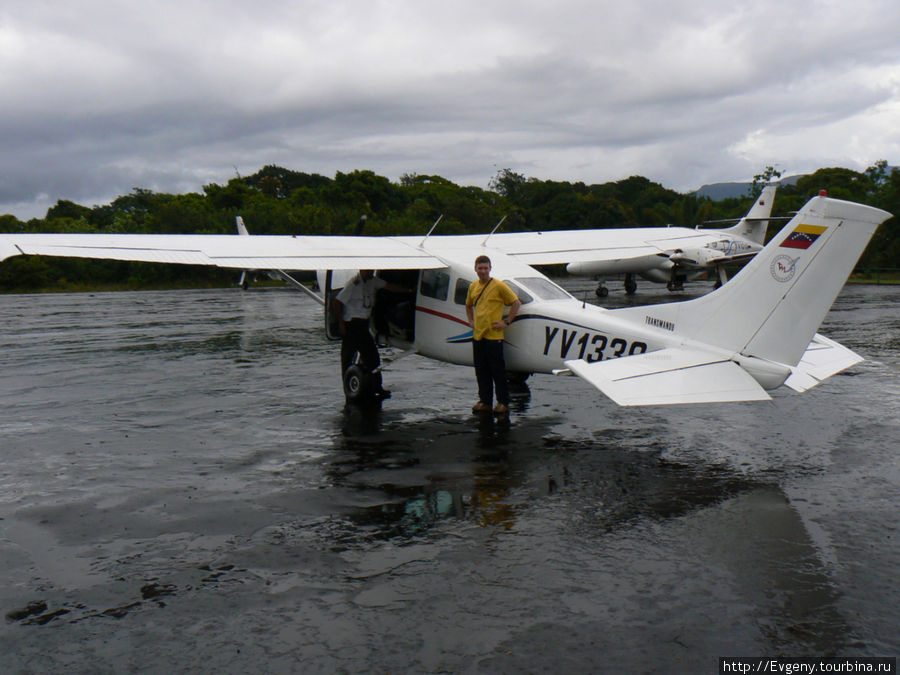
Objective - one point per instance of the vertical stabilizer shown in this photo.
(772, 308)
(753, 226)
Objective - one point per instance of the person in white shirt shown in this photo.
(353, 306)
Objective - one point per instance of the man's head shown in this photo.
(365, 275)
(483, 267)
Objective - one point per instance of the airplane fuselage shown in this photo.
(551, 326)
(692, 250)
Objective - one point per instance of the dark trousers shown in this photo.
(359, 339)
(490, 370)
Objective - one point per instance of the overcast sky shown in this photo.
(101, 97)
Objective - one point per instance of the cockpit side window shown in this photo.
(543, 288)
(521, 293)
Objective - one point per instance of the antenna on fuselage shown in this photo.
(496, 227)
(421, 243)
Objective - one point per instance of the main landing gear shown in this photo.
(676, 283)
(357, 384)
(363, 386)
(630, 286)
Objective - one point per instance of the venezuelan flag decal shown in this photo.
(803, 236)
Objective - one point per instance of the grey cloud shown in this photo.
(171, 96)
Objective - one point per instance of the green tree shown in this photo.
(67, 209)
(760, 180)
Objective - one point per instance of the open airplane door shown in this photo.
(331, 284)
(332, 321)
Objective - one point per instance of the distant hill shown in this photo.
(720, 191)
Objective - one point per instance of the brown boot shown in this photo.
(501, 409)
(480, 407)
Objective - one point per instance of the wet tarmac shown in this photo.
(182, 490)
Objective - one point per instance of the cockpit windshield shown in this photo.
(543, 288)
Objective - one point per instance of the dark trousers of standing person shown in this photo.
(359, 339)
(490, 371)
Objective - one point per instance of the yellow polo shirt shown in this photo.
(489, 308)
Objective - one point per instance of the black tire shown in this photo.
(357, 384)
(602, 291)
(517, 379)
(630, 286)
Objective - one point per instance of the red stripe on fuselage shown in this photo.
(419, 308)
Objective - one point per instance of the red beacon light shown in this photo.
(823, 193)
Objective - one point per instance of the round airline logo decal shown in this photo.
(783, 268)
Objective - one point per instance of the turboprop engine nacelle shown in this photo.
(695, 257)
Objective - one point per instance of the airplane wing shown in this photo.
(231, 251)
(670, 376)
(822, 359)
(344, 252)
(737, 257)
(565, 246)
(704, 257)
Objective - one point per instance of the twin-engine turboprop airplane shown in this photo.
(755, 333)
(672, 255)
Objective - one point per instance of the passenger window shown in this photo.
(435, 284)
(462, 291)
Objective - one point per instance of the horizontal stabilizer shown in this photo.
(670, 376)
(822, 359)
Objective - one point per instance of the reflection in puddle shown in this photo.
(611, 497)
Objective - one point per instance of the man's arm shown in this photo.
(513, 310)
(504, 323)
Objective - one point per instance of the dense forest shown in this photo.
(276, 200)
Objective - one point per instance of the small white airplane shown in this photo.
(672, 255)
(755, 333)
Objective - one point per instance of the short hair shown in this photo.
(482, 259)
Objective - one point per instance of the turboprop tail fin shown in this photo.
(753, 226)
(772, 308)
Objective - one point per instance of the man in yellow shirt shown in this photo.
(484, 307)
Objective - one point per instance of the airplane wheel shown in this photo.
(516, 379)
(357, 384)
(630, 285)
(602, 291)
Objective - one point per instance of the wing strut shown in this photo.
(421, 243)
(296, 284)
(496, 227)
